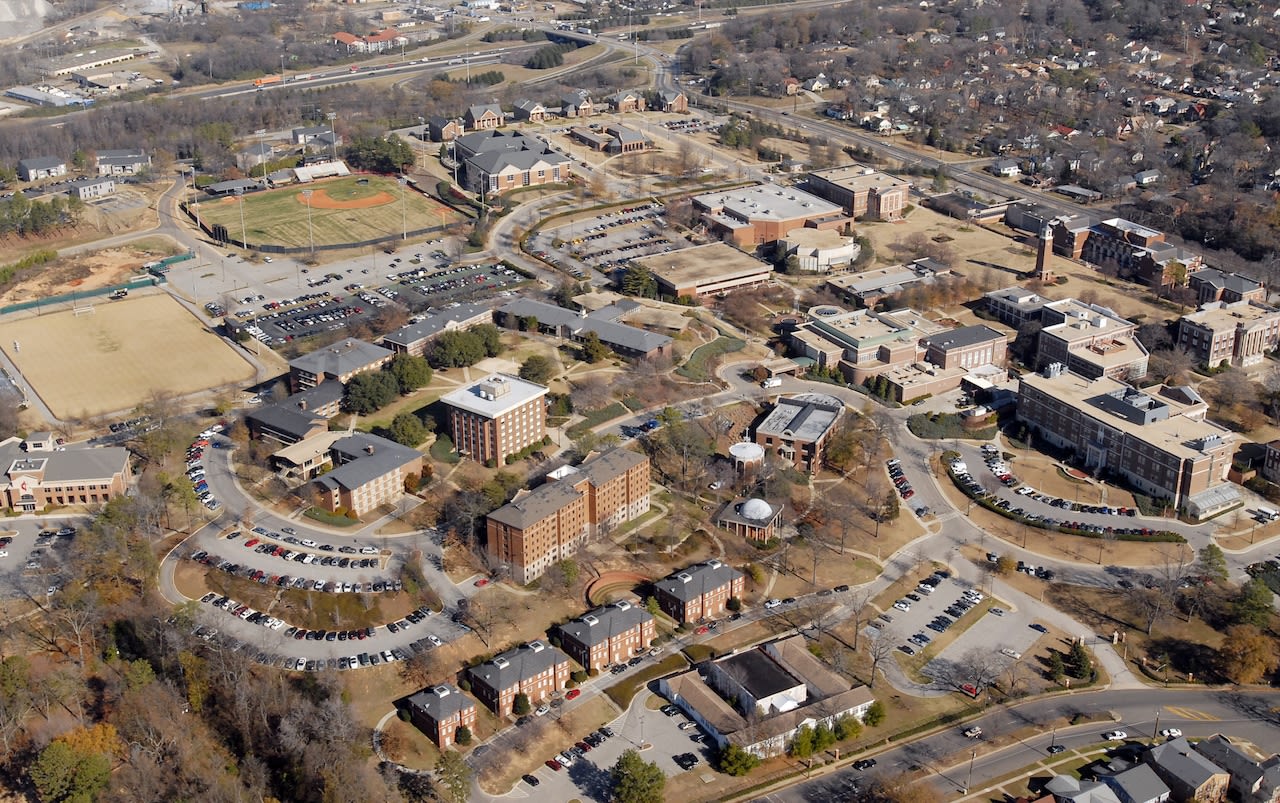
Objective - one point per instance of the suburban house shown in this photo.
(606, 636)
(1005, 168)
(1132, 783)
(672, 101)
(700, 591)
(338, 362)
(41, 167)
(369, 471)
(440, 711)
(535, 670)
(576, 104)
(484, 117)
(444, 129)
(1069, 789)
(1189, 775)
(627, 101)
(124, 162)
(530, 110)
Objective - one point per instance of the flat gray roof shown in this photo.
(805, 418)
(494, 395)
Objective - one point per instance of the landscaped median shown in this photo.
(988, 501)
(622, 692)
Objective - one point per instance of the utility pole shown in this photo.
(404, 221)
(969, 783)
(311, 233)
(1156, 729)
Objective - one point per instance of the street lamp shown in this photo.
(311, 233)
(404, 220)
(969, 783)
(244, 238)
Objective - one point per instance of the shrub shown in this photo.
(463, 736)
(875, 714)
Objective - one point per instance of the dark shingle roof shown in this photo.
(702, 578)
(513, 666)
(604, 623)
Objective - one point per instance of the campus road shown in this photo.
(945, 756)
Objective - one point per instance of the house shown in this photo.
(124, 162)
(1133, 783)
(535, 670)
(41, 167)
(609, 635)
(1189, 775)
(339, 362)
(627, 101)
(790, 86)
(307, 135)
(818, 83)
(1252, 781)
(1068, 789)
(1006, 168)
(483, 118)
(369, 471)
(440, 711)
(700, 591)
(530, 110)
(444, 129)
(672, 101)
(1145, 178)
(576, 104)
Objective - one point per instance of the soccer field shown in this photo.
(343, 210)
(119, 356)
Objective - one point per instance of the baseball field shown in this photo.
(343, 210)
(118, 356)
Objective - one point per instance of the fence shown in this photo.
(78, 295)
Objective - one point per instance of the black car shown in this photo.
(1039, 628)
(788, 600)
(531, 780)
(1055, 749)
(841, 588)
(864, 763)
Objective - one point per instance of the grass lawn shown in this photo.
(442, 450)
(595, 418)
(331, 519)
(704, 358)
(622, 692)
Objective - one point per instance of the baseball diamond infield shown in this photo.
(118, 356)
(343, 210)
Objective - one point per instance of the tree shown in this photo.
(802, 744)
(410, 372)
(1247, 655)
(1078, 661)
(407, 430)
(848, 727)
(593, 349)
(537, 369)
(1006, 565)
(1212, 563)
(369, 392)
(636, 780)
(463, 736)
(454, 776)
(639, 281)
(62, 773)
(735, 761)
(875, 714)
(1253, 606)
(520, 706)
(1057, 667)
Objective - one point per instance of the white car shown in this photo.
(542, 711)
(435, 640)
(773, 603)
(1014, 654)
(1115, 736)
(308, 542)
(4, 553)
(902, 605)
(1171, 733)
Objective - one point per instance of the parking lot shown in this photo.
(36, 553)
(918, 617)
(606, 241)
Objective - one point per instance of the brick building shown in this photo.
(701, 591)
(440, 711)
(764, 213)
(1212, 284)
(38, 475)
(1090, 340)
(338, 362)
(612, 634)
(967, 347)
(497, 416)
(368, 471)
(554, 521)
(1237, 334)
(535, 670)
(715, 269)
(797, 428)
(861, 191)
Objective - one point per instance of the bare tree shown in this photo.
(879, 647)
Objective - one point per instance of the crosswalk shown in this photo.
(1190, 713)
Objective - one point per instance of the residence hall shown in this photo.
(861, 191)
(414, 338)
(1238, 334)
(609, 635)
(797, 428)
(550, 523)
(300, 416)
(700, 591)
(498, 416)
(535, 670)
(337, 362)
(368, 471)
(621, 338)
(714, 269)
(764, 213)
(1157, 440)
(38, 475)
(495, 160)
(440, 711)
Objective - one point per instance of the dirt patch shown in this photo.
(87, 271)
(322, 200)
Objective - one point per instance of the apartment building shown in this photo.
(498, 416)
(338, 362)
(550, 523)
(1090, 340)
(863, 192)
(1238, 334)
(440, 711)
(1158, 441)
(700, 591)
(535, 670)
(368, 471)
(612, 634)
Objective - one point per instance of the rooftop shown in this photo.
(1227, 281)
(606, 622)
(767, 202)
(805, 418)
(440, 702)
(703, 264)
(696, 580)
(759, 673)
(964, 337)
(1222, 317)
(859, 178)
(364, 458)
(349, 356)
(1165, 417)
(531, 507)
(514, 666)
(437, 322)
(1018, 296)
(610, 332)
(749, 512)
(100, 463)
(495, 395)
(1177, 758)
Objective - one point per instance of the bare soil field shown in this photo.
(119, 356)
(88, 271)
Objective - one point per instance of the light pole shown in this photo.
(310, 231)
(333, 137)
(968, 783)
(404, 220)
(244, 238)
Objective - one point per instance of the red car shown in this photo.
(251, 543)
(482, 582)
(553, 764)
(573, 694)
(701, 631)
